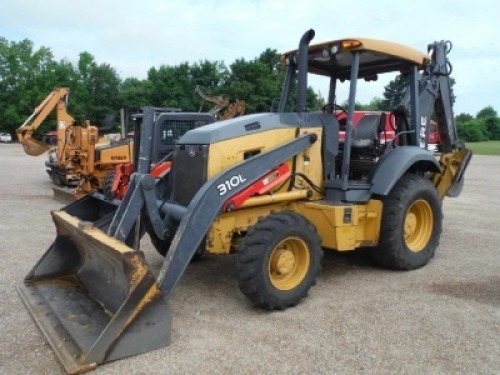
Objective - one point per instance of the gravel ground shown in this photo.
(444, 318)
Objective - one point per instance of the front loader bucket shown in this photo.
(91, 295)
(34, 147)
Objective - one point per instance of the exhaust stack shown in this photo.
(302, 62)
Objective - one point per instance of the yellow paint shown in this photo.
(418, 225)
(382, 47)
(226, 153)
(334, 228)
(276, 198)
(288, 263)
(362, 230)
(450, 165)
(93, 232)
(228, 227)
(150, 295)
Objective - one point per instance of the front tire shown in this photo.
(162, 246)
(411, 224)
(278, 260)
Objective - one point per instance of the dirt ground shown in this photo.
(443, 318)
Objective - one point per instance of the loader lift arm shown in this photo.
(57, 98)
(204, 207)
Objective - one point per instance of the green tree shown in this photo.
(463, 118)
(394, 91)
(492, 125)
(172, 87)
(259, 81)
(96, 91)
(472, 131)
(211, 77)
(378, 104)
(487, 112)
(135, 93)
(26, 76)
(254, 82)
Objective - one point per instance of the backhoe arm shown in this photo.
(236, 109)
(219, 101)
(435, 97)
(55, 99)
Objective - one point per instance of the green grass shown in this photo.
(484, 148)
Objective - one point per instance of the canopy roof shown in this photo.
(334, 58)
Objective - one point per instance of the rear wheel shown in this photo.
(278, 260)
(411, 224)
(107, 186)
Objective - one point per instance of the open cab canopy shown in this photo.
(334, 58)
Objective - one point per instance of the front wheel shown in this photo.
(278, 260)
(162, 246)
(411, 224)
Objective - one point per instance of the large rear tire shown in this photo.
(411, 224)
(107, 186)
(278, 260)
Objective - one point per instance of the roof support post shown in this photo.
(415, 105)
(349, 126)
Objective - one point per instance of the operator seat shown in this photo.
(366, 133)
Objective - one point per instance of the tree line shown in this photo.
(28, 74)
(484, 126)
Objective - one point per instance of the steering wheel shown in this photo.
(332, 107)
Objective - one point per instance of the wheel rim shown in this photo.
(289, 263)
(418, 225)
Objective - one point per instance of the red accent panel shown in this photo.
(265, 184)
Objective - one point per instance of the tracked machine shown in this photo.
(278, 189)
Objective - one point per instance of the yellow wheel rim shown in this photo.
(289, 263)
(419, 222)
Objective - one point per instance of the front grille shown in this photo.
(172, 130)
(169, 133)
(189, 171)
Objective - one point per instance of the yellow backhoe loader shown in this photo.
(74, 154)
(278, 189)
(62, 170)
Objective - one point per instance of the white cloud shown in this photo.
(134, 36)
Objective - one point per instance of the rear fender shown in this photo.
(398, 162)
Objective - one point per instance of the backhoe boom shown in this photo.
(57, 98)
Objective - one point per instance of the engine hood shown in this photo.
(249, 124)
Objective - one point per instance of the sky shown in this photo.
(133, 36)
